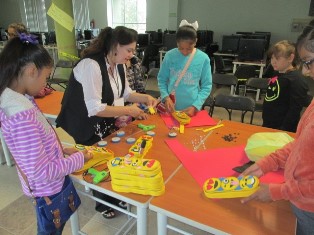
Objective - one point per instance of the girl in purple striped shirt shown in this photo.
(24, 67)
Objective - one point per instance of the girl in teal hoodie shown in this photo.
(195, 85)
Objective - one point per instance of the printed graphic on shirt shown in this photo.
(273, 89)
(187, 78)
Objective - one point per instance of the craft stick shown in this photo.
(212, 128)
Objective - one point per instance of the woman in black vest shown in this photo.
(97, 91)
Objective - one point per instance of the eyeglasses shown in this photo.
(308, 63)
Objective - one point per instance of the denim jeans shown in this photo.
(305, 221)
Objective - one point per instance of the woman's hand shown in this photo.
(262, 194)
(142, 116)
(191, 111)
(134, 111)
(151, 101)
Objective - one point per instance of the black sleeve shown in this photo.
(298, 99)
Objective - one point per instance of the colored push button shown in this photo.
(130, 140)
(115, 139)
(102, 143)
(120, 133)
(172, 134)
(151, 133)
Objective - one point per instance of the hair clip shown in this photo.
(28, 38)
(193, 25)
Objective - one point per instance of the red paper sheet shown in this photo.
(200, 119)
(216, 162)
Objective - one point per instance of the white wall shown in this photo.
(157, 14)
(98, 12)
(9, 12)
(229, 16)
(221, 16)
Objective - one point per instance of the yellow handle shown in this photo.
(212, 128)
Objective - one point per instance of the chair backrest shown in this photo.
(62, 69)
(225, 80)
(219, 63)
(245, 71)
(151, 53)
(257, 83)
(235, 102)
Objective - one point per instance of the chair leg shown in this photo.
(251, 122)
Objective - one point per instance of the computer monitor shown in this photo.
(267, 35)
(251, 49)
(155, 37)
(230, 43)
(3, 36)
(88, 34)
(244, 33)
(169, 41)
(39, 37)
(204, 37)
(143, 39)
(52, 37)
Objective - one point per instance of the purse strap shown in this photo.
(184, 69)
(48, 201)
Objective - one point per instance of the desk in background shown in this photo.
(260, 64)
(161, 56)
(184, 199)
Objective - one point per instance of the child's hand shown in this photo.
(254, 170)
(262, 194)
(69, 151)
(169, 105)
(87, 155)
(191, 111)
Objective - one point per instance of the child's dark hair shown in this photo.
(306, 38)
(109, 38)
(16, 55)
(186, 32)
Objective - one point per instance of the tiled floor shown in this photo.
(17, 215)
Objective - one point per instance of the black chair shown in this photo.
(61, 74)
(234, 102)
(151, 53)
(152, 74)
(221, 81)
(220, 66)
(256, 85)
(243, 73)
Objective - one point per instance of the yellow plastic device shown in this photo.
(231, 187)
(100, 155)
(182, 118)
(141, 146)
(151, 110)
(135, 175)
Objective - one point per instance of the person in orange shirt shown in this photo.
(296, 158)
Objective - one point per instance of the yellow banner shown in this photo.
(73, 57)
(61, 17)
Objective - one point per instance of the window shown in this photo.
(129, 13)
(34, 15)
(81, 14)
